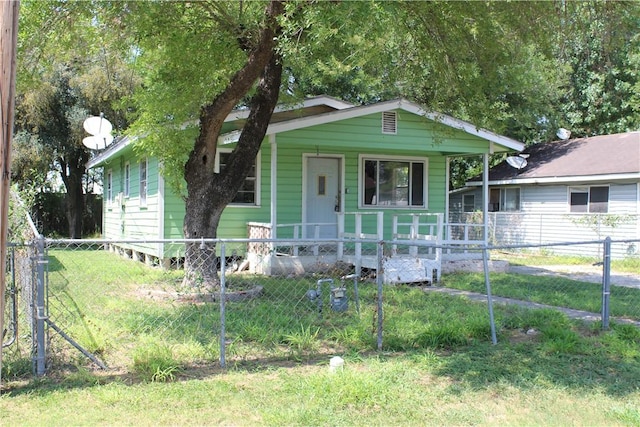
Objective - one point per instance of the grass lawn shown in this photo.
(437, 367)
(515, 383)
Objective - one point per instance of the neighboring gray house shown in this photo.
(571, 190)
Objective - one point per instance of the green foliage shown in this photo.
(599, 42)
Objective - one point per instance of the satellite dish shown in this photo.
(524, 155)
(563, 133)
(97, 142)
(517, 162)
(100, 129)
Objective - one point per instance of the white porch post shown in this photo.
(447, 188)
(485, 197)
(161, 206)
(274, 185)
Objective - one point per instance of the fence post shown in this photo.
(223, 301)
(485, 261)
(606, 282)
(40, 311)
(379, 281)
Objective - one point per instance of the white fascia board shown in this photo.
(401, 104)
(231, 137)
(311, 102)
(561, 180)
(461, 190)
(110, 152)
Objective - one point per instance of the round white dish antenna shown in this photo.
(97, 142)
(517, 162)
(100, 130)
(563, 133)
(97, 125)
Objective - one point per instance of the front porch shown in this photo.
(418, 244)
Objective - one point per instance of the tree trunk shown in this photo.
(75, 207)
(208, 193)
(71, 173)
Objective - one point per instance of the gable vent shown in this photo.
(389, 122)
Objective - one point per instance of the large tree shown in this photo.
(599, 44)
(203, 59)
(63, 79)
(199, 60)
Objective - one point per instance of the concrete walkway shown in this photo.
(571, 313)
(585, 273)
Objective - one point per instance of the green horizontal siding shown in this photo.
(417, 137)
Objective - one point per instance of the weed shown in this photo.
(304, 340)
(155, 362)
(558, 340)
(628, 333)
(17, 368)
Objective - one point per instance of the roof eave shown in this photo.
(402, 104)
(110, 152)
(560, 179)
(309, 102)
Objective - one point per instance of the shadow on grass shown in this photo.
(477, 367)
(527, 366)
(563, 354)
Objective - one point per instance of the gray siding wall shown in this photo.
(545, 218)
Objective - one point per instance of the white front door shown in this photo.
(322, 197)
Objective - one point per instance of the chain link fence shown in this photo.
(18, 339)
(110, 304)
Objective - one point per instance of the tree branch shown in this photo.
(212, 116)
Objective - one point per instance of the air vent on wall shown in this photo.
(389, 122)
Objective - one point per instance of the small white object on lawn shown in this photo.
(336, 364)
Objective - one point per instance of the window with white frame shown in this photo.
(109, 186)
(143, 182)
(468, 202)
(589, 199)
(397, 182)
(504, 199)
(248, 194)
(127, 179)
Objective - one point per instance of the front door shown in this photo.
(322, 197)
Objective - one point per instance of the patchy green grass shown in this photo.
(524, 380)
(551, 290)
(630, 264)
(437, 365)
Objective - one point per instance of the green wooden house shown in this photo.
(323, 162)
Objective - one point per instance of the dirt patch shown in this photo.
(519, 336)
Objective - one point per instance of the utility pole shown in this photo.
(8, 44)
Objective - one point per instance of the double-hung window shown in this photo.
(248, 194)
(468, 203)
(393, 182)
(143, 182)
(504, 199)
(109, 187)
(589, 199)
(127, 179)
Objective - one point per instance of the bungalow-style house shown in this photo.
(322, 161)
(570, 190)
